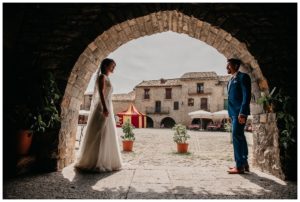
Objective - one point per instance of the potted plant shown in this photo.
(128, 137)
(45, 113)
(267, 101)
(40, 113)
(180, 137)
(21, 118)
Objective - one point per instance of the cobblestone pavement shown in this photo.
(155, 171)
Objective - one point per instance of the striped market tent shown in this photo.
(135, 117)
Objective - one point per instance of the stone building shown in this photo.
(168, 101)
(88, 94)
(120, 101)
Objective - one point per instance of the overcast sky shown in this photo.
(163, 55)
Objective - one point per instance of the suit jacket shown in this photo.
(239, 95)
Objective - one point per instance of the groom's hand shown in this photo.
(242, 119)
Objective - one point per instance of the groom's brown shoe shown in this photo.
(246, 167)
(236, 171)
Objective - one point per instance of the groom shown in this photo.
(239, 95)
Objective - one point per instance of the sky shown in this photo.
(164, 55)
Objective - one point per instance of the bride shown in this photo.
(100, 148)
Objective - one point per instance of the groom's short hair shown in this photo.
(235, 62)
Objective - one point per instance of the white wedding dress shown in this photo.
(100, 148)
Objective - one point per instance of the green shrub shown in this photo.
(180, 135)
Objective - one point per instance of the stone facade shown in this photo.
(266, 144)
(182, 89)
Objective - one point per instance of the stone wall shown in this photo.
(120, 106)
(158, 94)
(215, 97)
(265, 144)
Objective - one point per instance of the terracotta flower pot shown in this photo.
(182, 147)
(127, 145)
(24, 140)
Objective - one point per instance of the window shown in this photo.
(146, 94)
(157, 106)
(200, 88)
(176, 105)
(168, 93)
(226, 104)
(190, 102)
(203, 104)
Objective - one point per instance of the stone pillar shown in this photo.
(266, 153)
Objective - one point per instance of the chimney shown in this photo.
(162, 81)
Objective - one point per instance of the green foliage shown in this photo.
(266, 100)
(286, 110)
(128, 131)
(46, 114)
(180, 135)
(40, 112)
(285, 120)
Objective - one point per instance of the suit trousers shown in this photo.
(240, 147)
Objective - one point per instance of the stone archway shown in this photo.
(150, 122)
(167, 122)
(266, 151)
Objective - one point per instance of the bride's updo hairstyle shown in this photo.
(104, 64)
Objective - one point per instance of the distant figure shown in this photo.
(100, 149)
(239, 95)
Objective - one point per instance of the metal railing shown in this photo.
(196, 92)
(157, 110)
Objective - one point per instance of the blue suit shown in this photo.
(239, 96)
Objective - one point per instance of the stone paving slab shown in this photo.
(151, 176)
(155, 171)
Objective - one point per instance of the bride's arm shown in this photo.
(101, 92)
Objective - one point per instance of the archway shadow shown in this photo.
(275, 185)
(85, 181)
(111, 185)
(57, 185)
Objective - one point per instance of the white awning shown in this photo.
(223, 114)
(200, 114)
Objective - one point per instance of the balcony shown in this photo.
(207, 91)
(161, 110)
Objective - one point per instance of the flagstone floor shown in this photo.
(155, 171)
